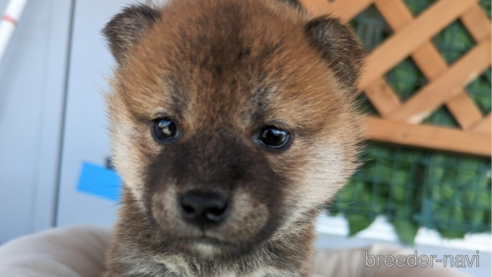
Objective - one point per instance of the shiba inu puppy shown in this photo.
(232, 123)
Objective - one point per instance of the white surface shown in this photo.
(32, 74)
(85, 138)
(14, 11)
(52, 115)
(382, 230)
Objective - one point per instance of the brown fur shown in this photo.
(223, 69)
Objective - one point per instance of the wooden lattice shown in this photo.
(400, 122)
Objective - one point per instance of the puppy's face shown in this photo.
(231, 121)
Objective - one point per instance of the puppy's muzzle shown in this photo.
(203, 209)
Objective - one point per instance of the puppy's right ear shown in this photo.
(125, 28)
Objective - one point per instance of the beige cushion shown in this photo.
(68, 252)
(79, 252)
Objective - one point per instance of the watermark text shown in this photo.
(415, 260)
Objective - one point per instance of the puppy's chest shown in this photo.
(228, 273)
(259, 273)
(177, 267)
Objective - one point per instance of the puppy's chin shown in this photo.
(203, 244)
(211, 249)
(206, 250)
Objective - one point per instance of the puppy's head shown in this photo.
(231, 120)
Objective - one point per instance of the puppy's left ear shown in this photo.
(126, 28)
(338, 46)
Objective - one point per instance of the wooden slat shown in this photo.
(401, 44)
(427, 136)
(430, 61)
(348, 9)
(477, 23)
(446, 86)
(343, 9)
(464, 110)
(379, 92)
(395, 13)
(382, 97)
(316, 7)
(483, 126)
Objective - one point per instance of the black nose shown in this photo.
(204, 208)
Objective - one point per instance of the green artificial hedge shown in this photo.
(413, 188)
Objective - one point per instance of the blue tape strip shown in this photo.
(99, 181)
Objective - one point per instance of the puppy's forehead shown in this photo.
(227, 61)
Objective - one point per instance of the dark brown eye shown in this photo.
(273, 137)
(165, 129)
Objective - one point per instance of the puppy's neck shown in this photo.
(136, 251)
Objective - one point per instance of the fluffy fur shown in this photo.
(222, 70)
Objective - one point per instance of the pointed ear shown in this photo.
(338, 46)
(125, 28)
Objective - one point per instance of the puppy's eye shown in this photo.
(165, 129)
(273, 137)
